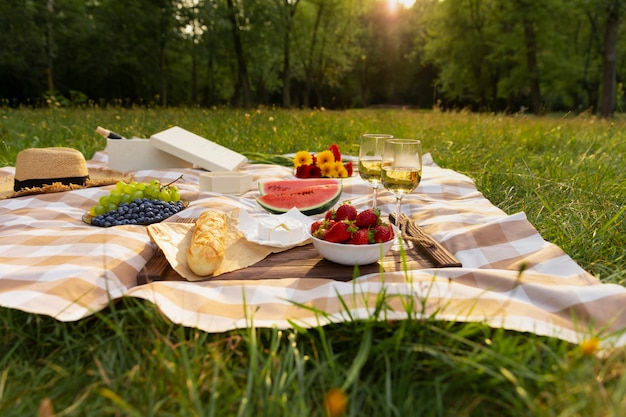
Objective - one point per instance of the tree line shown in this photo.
(489, 55)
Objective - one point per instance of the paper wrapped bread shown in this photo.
(206, 252)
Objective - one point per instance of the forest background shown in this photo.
(486, 55)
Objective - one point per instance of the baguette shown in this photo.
(206, 252)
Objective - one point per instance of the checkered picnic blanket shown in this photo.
(53, 263)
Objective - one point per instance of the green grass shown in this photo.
(565, 173)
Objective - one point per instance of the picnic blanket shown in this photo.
(53, 263)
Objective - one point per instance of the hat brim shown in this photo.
(98, 177)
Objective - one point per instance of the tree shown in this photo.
(243, 86)
(531, 47)
(610, 58)
(459, 43)
(286, 11)
(326, 34)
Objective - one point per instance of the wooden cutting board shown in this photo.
(301, 261)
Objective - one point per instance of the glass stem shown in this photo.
(398, 209)
(374, 196)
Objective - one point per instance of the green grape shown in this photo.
(165, 196)
(92, 211)
(111, 207)
(129, 189)
(127, 198)
(115, 196)
(151, 191)
(141, 186)
(175, 196)
(155, 182)
(104, 200)
(100, 209)
(120, 185)
(137, 194)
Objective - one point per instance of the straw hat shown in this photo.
(51, 170)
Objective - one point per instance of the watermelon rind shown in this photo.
(270, 202)
(283, 186)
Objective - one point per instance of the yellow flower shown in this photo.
(328, 170)
(341, 170)
(325, 157)
(302, 158)
(590, 346)
(336, 402)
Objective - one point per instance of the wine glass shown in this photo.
(401, 169)
(371, 158)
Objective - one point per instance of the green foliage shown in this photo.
(566, 173)
(308, 53)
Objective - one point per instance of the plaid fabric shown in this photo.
(52, 263)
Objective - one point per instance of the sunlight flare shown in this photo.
(394, 5)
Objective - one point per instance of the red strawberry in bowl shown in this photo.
(345, 211)
(362, 237)
(339, 232)
(316, 225)
(383, 233)
(367, 218)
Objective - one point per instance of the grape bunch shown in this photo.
(129, 192)
(139, 211)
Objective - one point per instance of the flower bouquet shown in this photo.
(324, 164)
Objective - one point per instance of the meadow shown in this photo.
(565, 172)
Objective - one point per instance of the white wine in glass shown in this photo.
(402, 169)
(371, 158)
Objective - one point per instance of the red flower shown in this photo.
(335, 150)
(315, 172)
(349, 168)
(303, 171)
(308, 171)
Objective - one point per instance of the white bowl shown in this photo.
(348, 254)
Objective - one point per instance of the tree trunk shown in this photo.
(194, 73)
(242, 69)
(530, 38)
(309, 67)
(49, 46)
(291, 11)
(607, 106)
(286, 71)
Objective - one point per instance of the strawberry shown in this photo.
(330, 215)
(316, 225)
(367, 218)
(362, 237)
(320, 232)
(383, 233)
(345, 211)
(339, 232)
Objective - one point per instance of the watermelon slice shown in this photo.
(283, 186)
(307, 197)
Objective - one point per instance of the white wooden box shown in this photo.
(197, 150)
(225, 182)
(136, 154)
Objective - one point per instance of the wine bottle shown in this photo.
(108, 134)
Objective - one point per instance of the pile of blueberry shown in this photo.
(138, 211)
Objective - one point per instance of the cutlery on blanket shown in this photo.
(429, 246)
